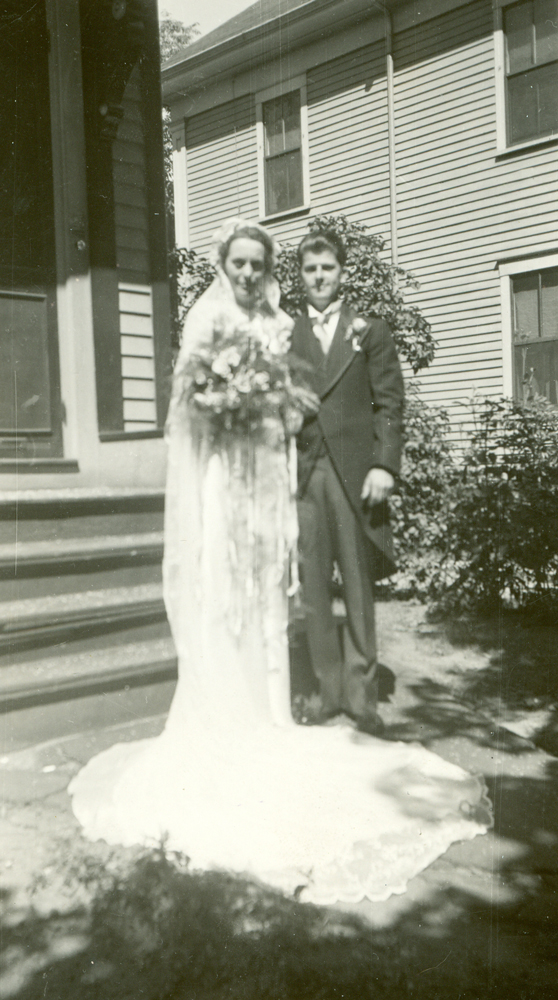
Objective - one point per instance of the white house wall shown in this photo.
(461, 206)
(348, 137)
(222, 168)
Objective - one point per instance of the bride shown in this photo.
(233, 782)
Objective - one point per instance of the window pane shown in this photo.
(547, 99)
(273, 124)
(533, 103)
(281, 119)
(519, 36)
(291, 118)
(536, 370)
(525, 291)
(283, 182)
(549, 302)
(546, 30)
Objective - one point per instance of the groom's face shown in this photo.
(321, 275)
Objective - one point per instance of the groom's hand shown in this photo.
(377, 486)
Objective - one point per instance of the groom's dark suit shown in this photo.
(358, 427)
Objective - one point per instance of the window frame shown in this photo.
(294, 83)
(503, 145)
(507, 271)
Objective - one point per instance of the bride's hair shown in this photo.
(252, 233)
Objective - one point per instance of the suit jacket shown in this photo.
(359, 422)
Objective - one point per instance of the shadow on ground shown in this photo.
(163, 934)
(146, 928)
(522, 671)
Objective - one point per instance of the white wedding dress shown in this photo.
(233, 782)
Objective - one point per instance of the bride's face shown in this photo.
(245, 269)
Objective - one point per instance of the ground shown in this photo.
(87, 921)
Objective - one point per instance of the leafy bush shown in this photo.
(190, 275)
(502, 528)
(422, 504)
(372, 286)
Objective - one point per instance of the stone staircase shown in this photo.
(81, 605)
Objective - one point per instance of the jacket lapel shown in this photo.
(341, 353)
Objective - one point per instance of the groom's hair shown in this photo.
(323, 239)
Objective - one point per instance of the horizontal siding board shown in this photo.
(135, 302)
(139, 326)
(136, 347)
(128, 174)
(134, 260)
(132, 216)
(140, 409)
(130, 194)
(455, 214)
(482, 181)
(129, 152)
(133, 388)
(140, 368)
(132, 238)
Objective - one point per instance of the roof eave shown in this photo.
(302, 24)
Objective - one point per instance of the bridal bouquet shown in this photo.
(238, 381)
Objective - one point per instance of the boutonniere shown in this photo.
(355, 331)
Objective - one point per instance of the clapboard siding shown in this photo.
(460, 209)
(348, 137)
(222, 168)
(137, 351)
(130, 186)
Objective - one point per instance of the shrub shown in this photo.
(372, 286)
(190, 275)
(502, 530)
(421, 506)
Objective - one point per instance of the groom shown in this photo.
(349, 456)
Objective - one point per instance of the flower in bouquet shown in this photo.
(240, 380)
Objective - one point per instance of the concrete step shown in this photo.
(62, 678)
(35, 515)
(71, 555)
(42, 621)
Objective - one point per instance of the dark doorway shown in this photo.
(30, 423)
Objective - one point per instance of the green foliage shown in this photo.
(502, 528)
(190, 274)
(421, 506)
(174, 35)
(372, 286)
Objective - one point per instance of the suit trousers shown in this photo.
(330, 532)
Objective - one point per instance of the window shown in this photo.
(281, 116)
(531, 69)
(534, 324)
